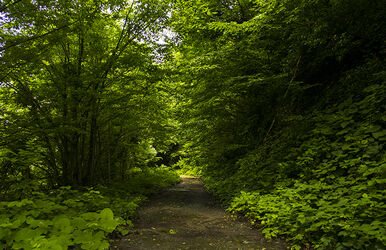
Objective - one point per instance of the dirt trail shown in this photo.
(187, 217)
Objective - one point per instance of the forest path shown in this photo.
(185, 216)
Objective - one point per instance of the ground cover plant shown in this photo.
(337, 198)
(78, 219)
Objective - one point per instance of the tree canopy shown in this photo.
(78, 86)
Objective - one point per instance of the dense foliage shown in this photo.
(284, 114)
(278, 105)
(80, 90)
(83, 115)
(82, 219)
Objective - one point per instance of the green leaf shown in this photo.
(108, 223)
(5, 233)
(82, 236)
(26, 234)
(63, 225)
(379, 134)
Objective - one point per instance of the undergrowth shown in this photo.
(77, 219)
(324, 187)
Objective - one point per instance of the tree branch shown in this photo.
(33, 38)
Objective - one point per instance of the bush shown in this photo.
(328, 188)
(84, 219)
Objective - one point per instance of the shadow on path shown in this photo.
(187, 217)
